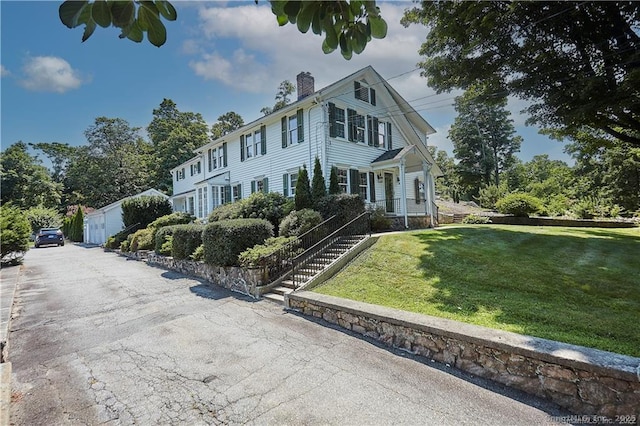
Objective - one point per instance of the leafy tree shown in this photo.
(285, 90)
(25, 181)
(143, 210)
(14, 231)
(303, 190)
(318, 187)
(448, 186)
(226, 123)
(115, 164)
(576, 62)
(174, 135)
(76, 231)
(133, 18)
(60, 155)
(334, 187)
(42, 217)
(484, 139)
(349, 25)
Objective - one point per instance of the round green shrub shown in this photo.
(475, 219)
(224, 240)
(298, 222)
(186, 239)
(345, 206)
(519, 204)
(379, 219)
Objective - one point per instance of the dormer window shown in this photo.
(364, 93)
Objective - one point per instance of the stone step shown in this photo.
(281, 290)
(275, 298)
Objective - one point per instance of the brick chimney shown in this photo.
(305, 85)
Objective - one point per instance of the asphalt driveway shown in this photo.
(97, 338)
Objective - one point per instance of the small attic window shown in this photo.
(364, 93)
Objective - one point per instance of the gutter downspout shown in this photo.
(426, 170)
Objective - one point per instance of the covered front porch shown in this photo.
(405, 185)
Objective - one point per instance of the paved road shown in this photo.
(101, 339)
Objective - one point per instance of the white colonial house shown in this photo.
(107, 221)
(360, 125)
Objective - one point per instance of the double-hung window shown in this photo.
(248, 145)
(292, 129)
(289, 181)
(257, 143)
(337, 121)
(221, 152)
(364, 92)
(343, 181)
(356, 126)
(362, 185)
(253, 144)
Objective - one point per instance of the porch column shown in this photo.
(428, 194)
(403, 192)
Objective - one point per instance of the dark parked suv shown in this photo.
(47, 236)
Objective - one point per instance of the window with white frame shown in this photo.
(364, 93)
(257, 143)
(213, 160)
(339, 123)
(356, 126)
(382, 134)
(292, 130)
(248, 152)
(220, 157)
(236, 192)
(195, 168)
(343, 180)
(363, 183)
(200, 202)
(190, 205)
(292, 180)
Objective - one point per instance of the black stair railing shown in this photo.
(279, 262)
(309, 262)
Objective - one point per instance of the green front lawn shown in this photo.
(575, 285)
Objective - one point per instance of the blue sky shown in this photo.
(219, 57)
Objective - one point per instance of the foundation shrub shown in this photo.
(224, 240)
(186, 239)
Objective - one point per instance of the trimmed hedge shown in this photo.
(272, 207)
(519, 204)
(298, 222)
(186, 239)
(144, 209)
(142, 239)
(345, 206)
(226, 239)
(162, 236)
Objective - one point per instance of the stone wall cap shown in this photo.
(589, 359)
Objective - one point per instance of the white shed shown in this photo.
(107, 221)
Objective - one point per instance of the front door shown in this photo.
(388, 192)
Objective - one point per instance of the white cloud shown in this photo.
(3, 71)
(259, 54)
(49, 74)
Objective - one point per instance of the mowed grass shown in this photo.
(574, 285)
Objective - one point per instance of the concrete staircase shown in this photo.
(312, 267)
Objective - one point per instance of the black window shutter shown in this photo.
(354, 181)
(242, 147)
(372, 97)
(300, 119)
(253, 186)
(351, 124)
(376, 134)
(263, 139)
(389, 141)
(283, 121)
(356, 89)
(239, 186)
(370, 130)
(332, 120)
(224, 154)
(416, 188)
(265, 185)
(372, 187)
(285, 185)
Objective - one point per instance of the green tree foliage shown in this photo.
(43, 217)
(272, 206)
(285, 90)
(60, 155)
(227, 123)
(606, 169)
(447, 186)
(576, 62)
(14, 231)
(349, 25)
(141, 211)
(114, 164)
(318, 186)
(303, 190)
(133, 18)
(298, 222)
(519, 204)
(25, 181)
(334, 187)
(76, 230)
(484, 139)
(174, 135)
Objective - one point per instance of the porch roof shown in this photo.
(413, 158)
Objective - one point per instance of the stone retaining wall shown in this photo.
(547, 221)
(239, 280)
(583, 380)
